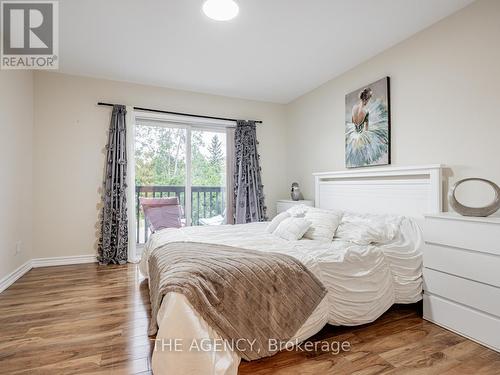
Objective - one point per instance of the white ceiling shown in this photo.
(275, 50)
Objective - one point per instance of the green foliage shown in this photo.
(215, 150)
(161, 157)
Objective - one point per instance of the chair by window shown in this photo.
(161, 213)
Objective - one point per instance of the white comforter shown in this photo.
(362, 282)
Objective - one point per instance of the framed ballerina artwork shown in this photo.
(368, 125)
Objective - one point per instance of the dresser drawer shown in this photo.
(472, 265)
(471, 323)
(471, 293)
(472, 235)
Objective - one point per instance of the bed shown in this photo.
(362, 280)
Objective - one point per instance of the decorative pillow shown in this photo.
(298, 210)
(271, 227)
(157, 202)
(365, 229)
(324, 223)
(292, 228)
(162, 213)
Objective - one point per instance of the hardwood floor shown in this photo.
(86, 319)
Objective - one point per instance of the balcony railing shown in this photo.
(206, 202)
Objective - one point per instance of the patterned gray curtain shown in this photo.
(113, 242)
(248, 189)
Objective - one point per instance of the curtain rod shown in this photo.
(177, 113)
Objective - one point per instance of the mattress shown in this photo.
(363, 281)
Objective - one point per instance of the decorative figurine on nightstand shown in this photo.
(296, 195)
(475, 211)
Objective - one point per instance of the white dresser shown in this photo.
(462, 275)
(285, 204)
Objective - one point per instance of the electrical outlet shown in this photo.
(18, 247)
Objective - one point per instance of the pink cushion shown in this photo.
(162, 213)
(152, 202)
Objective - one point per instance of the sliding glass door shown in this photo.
(182, 160)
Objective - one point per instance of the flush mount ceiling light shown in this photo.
(221, 10)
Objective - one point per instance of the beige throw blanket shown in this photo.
(242, 294)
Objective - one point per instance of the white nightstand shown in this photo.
(462, 275)
(285, 204)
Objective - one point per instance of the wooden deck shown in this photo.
(87, 319)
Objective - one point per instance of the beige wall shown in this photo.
(445, 85)
(445, 89)
(16, 142)
(70, 133)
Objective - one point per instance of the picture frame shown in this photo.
(368, 125)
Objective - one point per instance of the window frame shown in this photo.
(189, 123)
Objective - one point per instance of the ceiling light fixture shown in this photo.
(221, 10)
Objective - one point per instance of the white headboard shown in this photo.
(410, 191)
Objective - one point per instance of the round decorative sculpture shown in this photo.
(475, 211)
(295, 193)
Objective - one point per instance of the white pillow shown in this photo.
(271, 227)
(292, 228)
(298, 210)
(365, 229)
(324, 223)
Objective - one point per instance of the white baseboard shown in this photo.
(62, 261)
(44, 262)
(8, 280)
